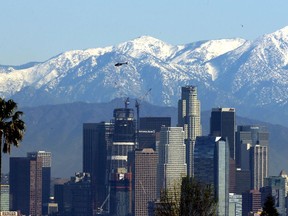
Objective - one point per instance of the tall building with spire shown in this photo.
(189, 117)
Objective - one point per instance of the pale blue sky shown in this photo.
(36, 30)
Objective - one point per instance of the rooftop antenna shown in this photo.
(127, 102)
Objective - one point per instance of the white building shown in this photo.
(172, 163)
(235, 204)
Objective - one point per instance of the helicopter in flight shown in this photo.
(120, 64)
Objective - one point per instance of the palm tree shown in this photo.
(12, 129)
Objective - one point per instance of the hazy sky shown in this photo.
(36, 30)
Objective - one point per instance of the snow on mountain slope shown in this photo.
(48, 73)
(256, 69)
(226, 71)
(146, 45)
(199, 53)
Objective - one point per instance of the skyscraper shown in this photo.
(235, 204)
(189, 117)
(275, 186)
(251, 202)
(211, 166)
(123, 138)
(77, 195)
(120, 192)
(144, 171)
(5, 205)
(123, 141)
(147, 139)
(172, 164)
(222, 123)
(222, 176)
(46, 177)
(249, 135)
(97, 138)
(154, 123)
(284, 175)
(258, 165)
(150, 127)
(242, 181)
(26, 185)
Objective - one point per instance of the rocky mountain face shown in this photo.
(248, 75)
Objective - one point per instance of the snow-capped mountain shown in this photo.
(228, 72)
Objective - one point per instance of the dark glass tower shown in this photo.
(77, 195)
(211, 166)
(223, 123)
(97, 137)
(154, 123)
(149, 132)
(26, 185)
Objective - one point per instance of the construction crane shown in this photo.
(137, 105)
(100, 209)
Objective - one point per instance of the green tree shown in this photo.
(12, 128)
(188, 197)
(197, 198)
(169, 203)
(269, 207)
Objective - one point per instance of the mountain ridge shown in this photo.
(235, 72)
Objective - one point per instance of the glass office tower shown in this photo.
(211, 166)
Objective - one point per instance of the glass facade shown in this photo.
(222, 123)
(97, 138)
(204, 159)
(25, 177)
(211, 166)
(221, 180)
